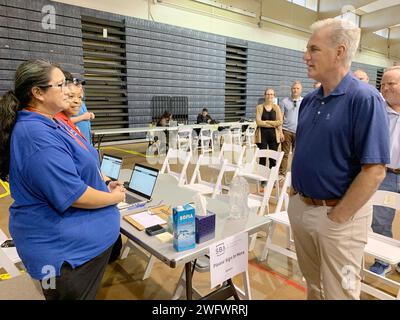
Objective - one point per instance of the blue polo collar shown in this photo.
(24, 115)
(340, 89)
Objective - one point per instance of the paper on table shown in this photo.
(146, 219)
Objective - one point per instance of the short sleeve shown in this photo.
(371, 132)
(54, 178)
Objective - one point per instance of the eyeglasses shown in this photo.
(77, 81)
(60, 85)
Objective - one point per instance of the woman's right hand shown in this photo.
(119, 193)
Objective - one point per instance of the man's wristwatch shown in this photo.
(108, 182)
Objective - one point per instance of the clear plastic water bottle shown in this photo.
(238, 197)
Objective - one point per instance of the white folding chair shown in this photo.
(9, 257)
(184, 139)
(282, 218)
(206, 139)
(234, 159)
(177, 156)
(204, 187)
(249, 135)
(260, 173)
(262, 201)
(236, 131)
(383, 248)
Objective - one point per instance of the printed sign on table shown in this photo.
(228, 258)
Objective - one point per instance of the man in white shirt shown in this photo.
(290, 109)
(383, 216)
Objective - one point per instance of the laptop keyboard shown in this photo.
(131, 199)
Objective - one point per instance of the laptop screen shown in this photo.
(143, 180)
(111, 166)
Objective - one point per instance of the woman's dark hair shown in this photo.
(166, 115)
(28, 75)
(68, 76)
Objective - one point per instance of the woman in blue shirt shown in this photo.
(63, 220)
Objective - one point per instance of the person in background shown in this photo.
(383, 216)
(204, 117)
(166, 117)
(75, 96)
(269, 125)
(316, 84)
(164, 121)
(361, 75)
(65, 118)
(342, 146)
(290, 109)
(83, 118)
(64, 220)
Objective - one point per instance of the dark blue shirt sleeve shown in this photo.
(53, 176)
(371, 131)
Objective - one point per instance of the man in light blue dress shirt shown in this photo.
(290, 109)
(383, 216)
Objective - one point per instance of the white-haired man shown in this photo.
(342, 146)
(383, 217)
(361, 75)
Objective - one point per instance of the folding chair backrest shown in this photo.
(233, 149)
(206, 132)
(272, 177)
(176, 156)
(184, 137)
(386, 199)
(205, 161)
(284, 196)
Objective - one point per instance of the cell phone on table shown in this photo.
(153, 230)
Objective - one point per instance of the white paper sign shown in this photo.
(228, 258)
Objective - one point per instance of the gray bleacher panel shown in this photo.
(161, 59)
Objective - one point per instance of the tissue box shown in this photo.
(184, 228)
(205, 227)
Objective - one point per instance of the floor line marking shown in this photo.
(277, 275)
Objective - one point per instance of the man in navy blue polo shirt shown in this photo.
(342, 146)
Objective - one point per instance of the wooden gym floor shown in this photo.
(274, 279)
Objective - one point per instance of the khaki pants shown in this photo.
(288, 144)
(329, 254)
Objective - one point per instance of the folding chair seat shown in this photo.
(383, 248)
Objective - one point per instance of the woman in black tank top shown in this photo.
(268, 135)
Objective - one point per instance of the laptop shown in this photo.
(111, 166)
(141, 185)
